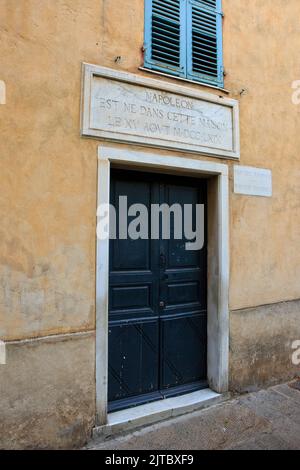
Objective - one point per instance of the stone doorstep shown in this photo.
(133, 418)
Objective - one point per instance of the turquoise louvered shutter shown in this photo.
(165, 36)
(184, 38)
(204, 41)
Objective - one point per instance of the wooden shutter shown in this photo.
(204, 41)
(165, 36)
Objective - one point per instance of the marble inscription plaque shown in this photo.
(252, 181)
(139, 112)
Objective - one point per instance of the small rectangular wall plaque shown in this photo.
(252, 181)
(123, 107)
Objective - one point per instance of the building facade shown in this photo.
(161, 101)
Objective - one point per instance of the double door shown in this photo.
(157, 295)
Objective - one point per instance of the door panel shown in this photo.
(130, 255)
(157, 299)
(133, 359)
(183, 350)
(183, 293)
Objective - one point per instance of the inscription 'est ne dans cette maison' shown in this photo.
(161, 114)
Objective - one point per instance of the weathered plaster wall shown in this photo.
(47, 235)
(265, 233)
(261, 57)
(261, 345)
(47, 393)
(48, 173)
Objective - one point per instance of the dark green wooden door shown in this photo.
(157, 299)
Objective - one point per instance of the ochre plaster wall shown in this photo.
(48, 172)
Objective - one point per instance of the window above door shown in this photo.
(183, 38)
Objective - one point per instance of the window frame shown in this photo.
(185, 70)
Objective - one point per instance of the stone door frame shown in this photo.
(218, 260)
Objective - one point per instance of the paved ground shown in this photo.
(269, 419)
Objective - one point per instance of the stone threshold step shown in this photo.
(126, 420)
